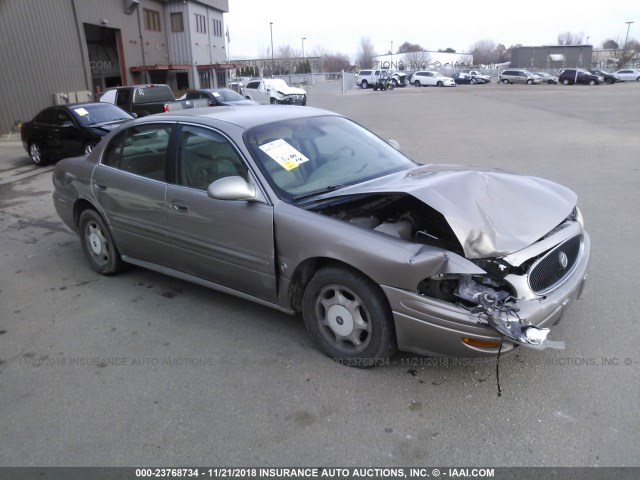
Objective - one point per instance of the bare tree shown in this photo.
(366, 52)
(407, 47)
(501, 53)
(610, 44)
(447, 50)
(570, 38)
(417, 60)
(484, 52)
(330, 61)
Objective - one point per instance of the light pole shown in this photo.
(271, 28)
(587, 42)
(303, 65)
(627, 39)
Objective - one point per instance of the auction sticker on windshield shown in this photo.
(283, 153)
(81, 111)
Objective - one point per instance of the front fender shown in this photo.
(301, 235)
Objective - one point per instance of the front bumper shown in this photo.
(294, 100)
(428, 326)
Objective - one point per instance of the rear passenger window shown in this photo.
(140, 150)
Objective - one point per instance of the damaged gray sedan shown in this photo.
(305, 211)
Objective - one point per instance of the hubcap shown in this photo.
(343, 319)
(98, 244)
(34, 151)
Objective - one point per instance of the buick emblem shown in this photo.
(563, 259)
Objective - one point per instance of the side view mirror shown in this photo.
(231, 188)
(394, 144)
(134, 114)
(67, 124)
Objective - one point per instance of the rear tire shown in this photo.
(417, 83)
(349, 317)
(592, 82)
(505, 81)
(565, 81)
(364, 84)
(439, 84)
(273, 101)
(529, 82)
(98, 244)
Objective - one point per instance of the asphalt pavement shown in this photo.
(142, 369)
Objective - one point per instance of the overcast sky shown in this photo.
(338, 25)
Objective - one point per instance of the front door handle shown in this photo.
(179, 206)
(100, 186)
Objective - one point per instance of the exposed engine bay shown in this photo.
(488, 297)
(398, 215)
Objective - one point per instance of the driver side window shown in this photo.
(205, 156)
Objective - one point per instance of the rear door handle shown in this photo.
(179, 206)
(100, 186)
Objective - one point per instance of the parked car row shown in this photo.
(69, 130)
(568, 76)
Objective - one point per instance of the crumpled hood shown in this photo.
(492, 212)
(289, 90)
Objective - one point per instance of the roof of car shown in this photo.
(244, 117)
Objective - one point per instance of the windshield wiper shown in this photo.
(327, 189)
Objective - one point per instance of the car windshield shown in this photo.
(302, 157)
(97, 113)
(227, 95)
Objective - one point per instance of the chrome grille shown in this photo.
(552, 268)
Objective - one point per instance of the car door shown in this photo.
(40, 134)
(227, 242)
(66, 134)
(129, 185)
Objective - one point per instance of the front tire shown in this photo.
(98, 244)
(349, 317)
(592, 82)
(364, 84)
(505, 81)
(439, 84)
(273, 101)
(529, 82)
(38, 157)
(417, 83)
(565, 81)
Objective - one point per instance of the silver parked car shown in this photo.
(305, 211)
(518, 76)
(547, 77)
(627, 75)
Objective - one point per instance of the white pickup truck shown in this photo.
(274, 90)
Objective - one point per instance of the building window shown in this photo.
(177, 23)
(201, 24)
(152, 20)
(217, 28)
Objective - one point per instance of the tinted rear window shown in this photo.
(159, 93)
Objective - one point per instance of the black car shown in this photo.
(609, 78)
(69, 130)
(462, 78)
(569, 76)
(219, 96)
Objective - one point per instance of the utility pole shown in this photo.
(271, 28)
(627, 39)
